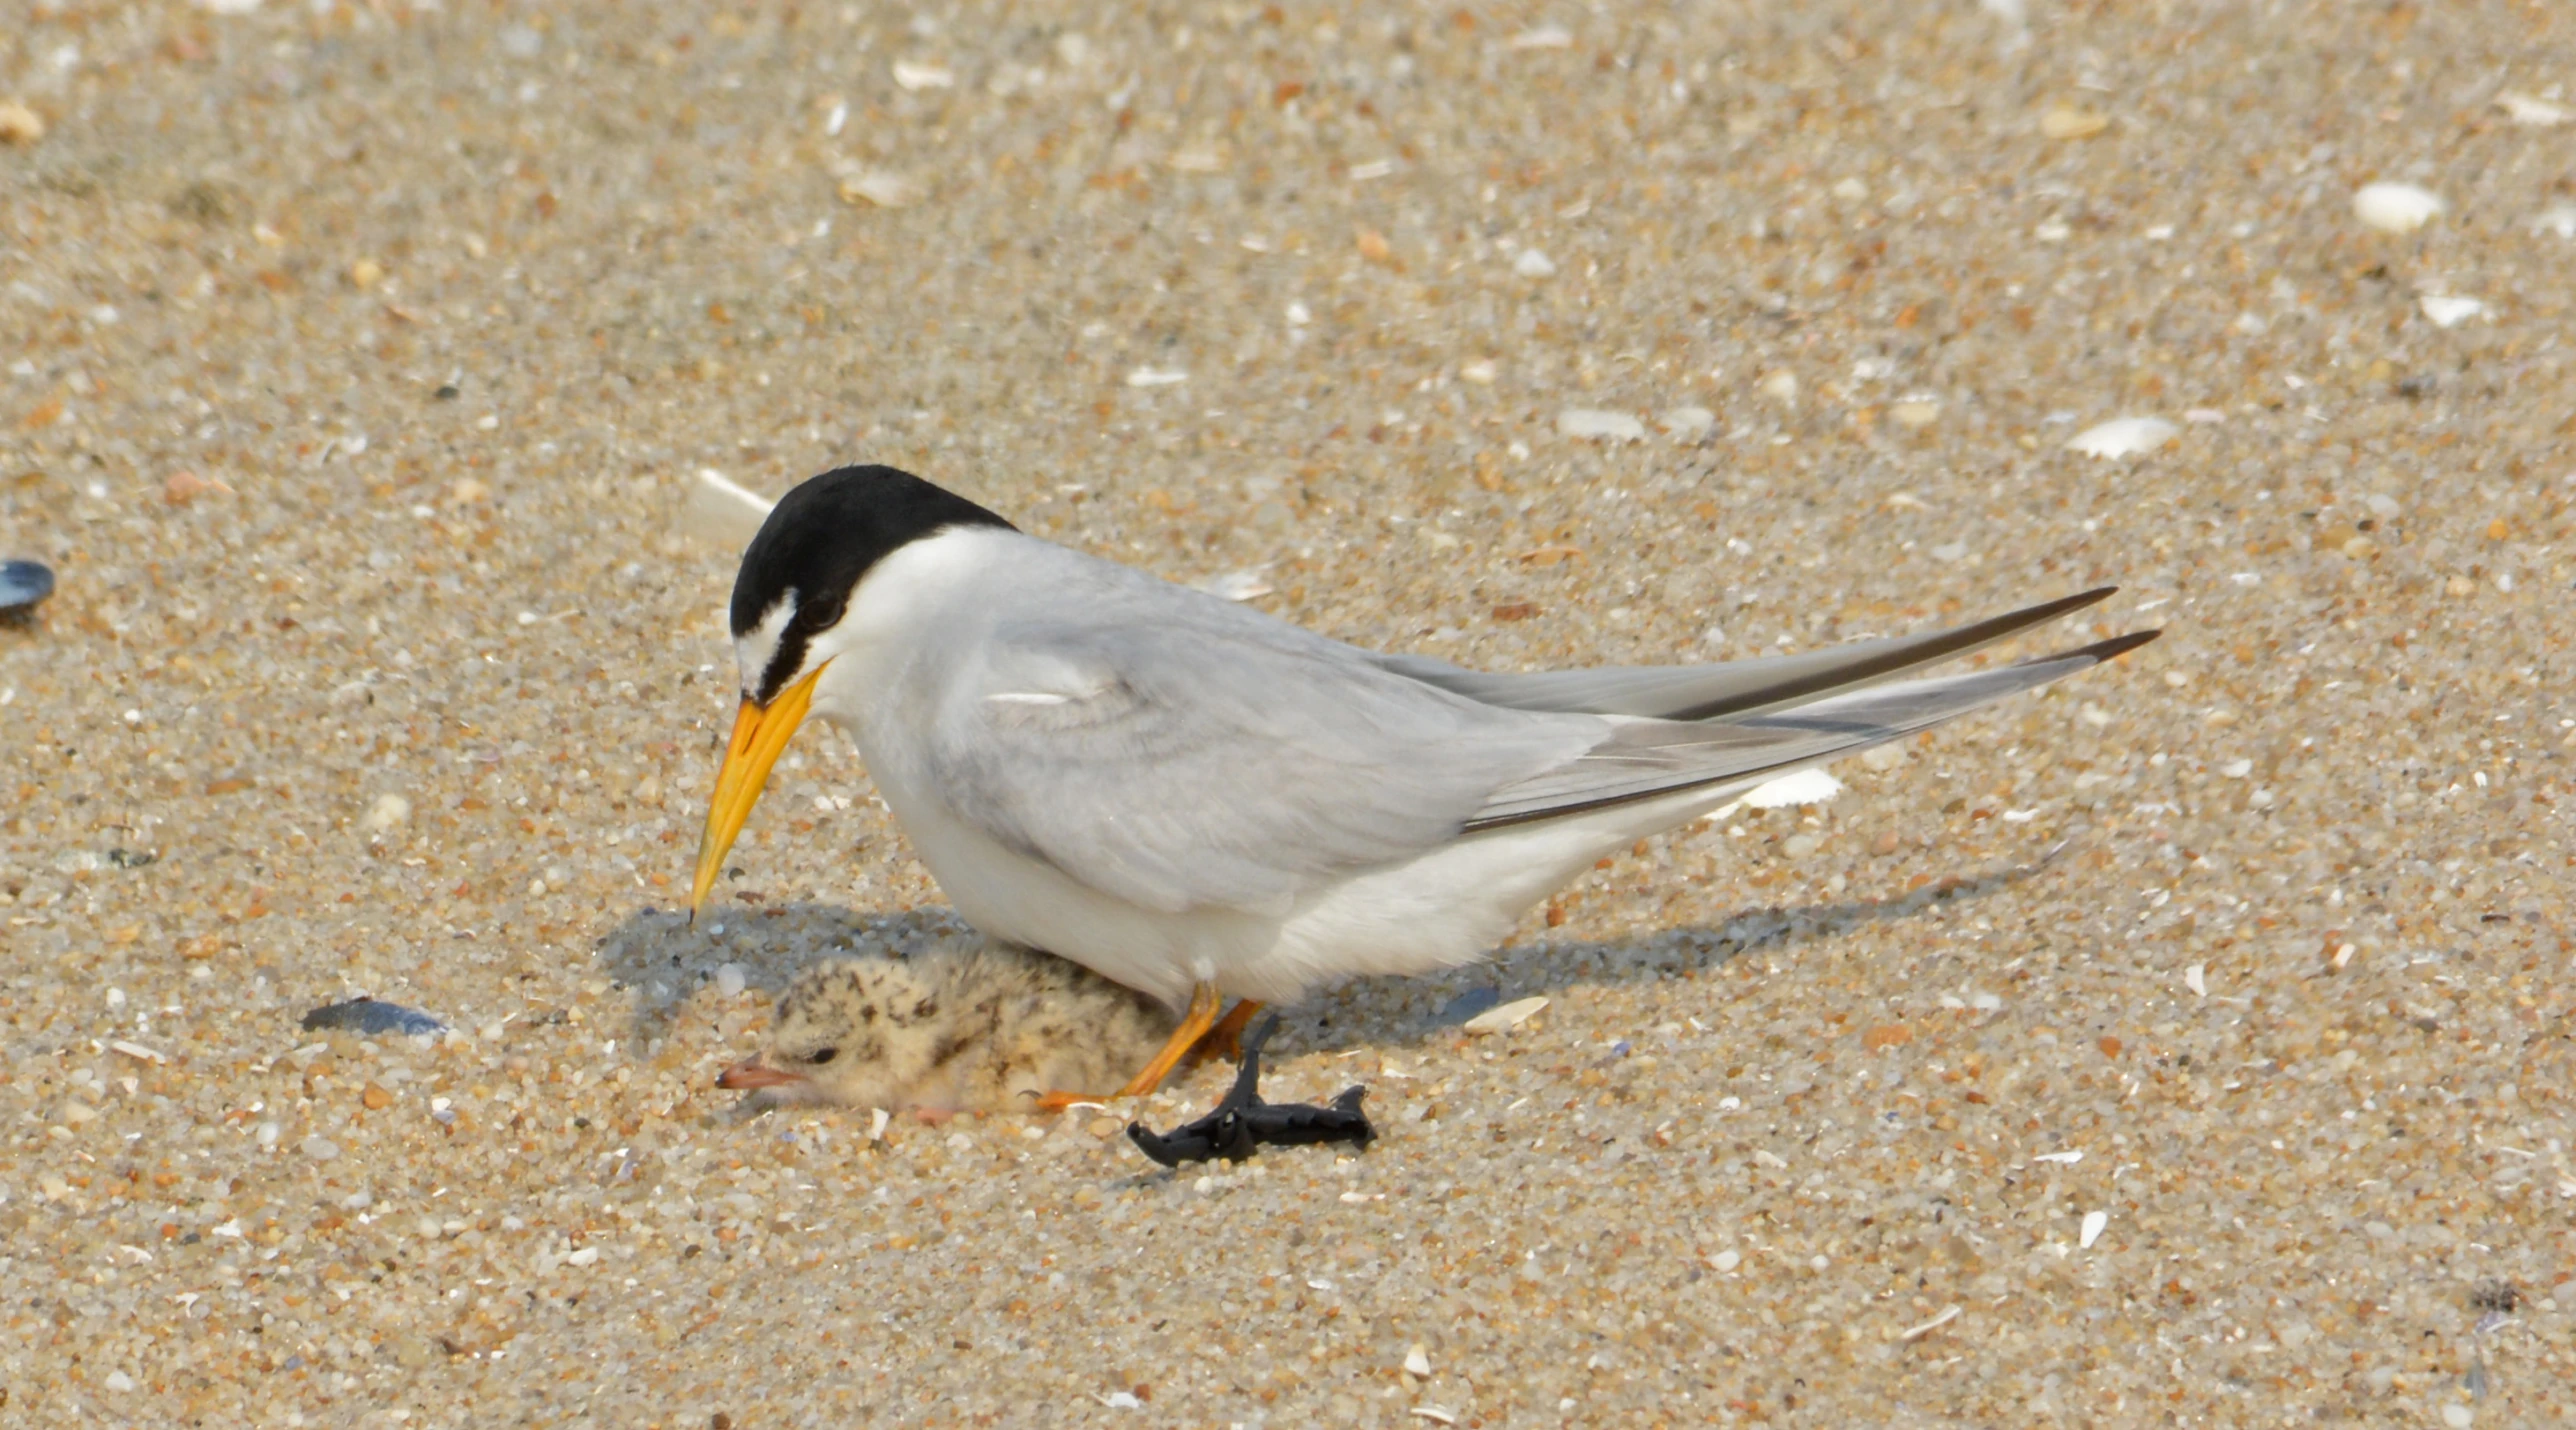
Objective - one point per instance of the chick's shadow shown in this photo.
(665, 960)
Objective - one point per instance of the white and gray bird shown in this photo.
(1198, 800)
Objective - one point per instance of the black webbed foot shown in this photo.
(1241, 1122)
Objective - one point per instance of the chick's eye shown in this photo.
(824, 1055)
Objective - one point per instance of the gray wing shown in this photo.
(1175, 751)
(1646, 758)
(1729, 688)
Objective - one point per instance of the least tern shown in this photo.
(1198, 800)
(967, 1025)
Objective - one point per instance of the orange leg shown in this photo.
(1225, 1040)
(1194, 1026)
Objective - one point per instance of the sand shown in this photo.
(2189, 1045)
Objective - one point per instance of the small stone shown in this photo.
(2091, 1231)
(376, 1098)
(388, 813)
(366, 273)
(1481, 372)
(1879, 759)
(2458, 1416)
(1417, 1362)
(1914, 412)
(1531, 263)
(1781, 387)
(1800, 846)
(587, 1256)
(1885, 1036)
(730, 980)
(19, 124)
(1727, 1260)
(2065, 123)
(118, 1380)
(320, 1149)
(183, 487)
(1102, 1127)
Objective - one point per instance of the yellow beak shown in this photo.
(759, 733)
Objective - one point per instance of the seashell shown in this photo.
(2396, 208)
(886, 191)
(369, 1017)
(1595, 422)
(23, 584)
(1502, 1020)
(2449, 312)
(923, 74)
(1237, 585)
(722, 512)
(2123, 437)
(2533, 110)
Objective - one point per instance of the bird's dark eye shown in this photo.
(824, 1055)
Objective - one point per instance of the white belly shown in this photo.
(1447, 907)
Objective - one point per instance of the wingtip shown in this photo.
(2117, 646)
(2080, 600)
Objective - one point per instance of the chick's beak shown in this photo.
(759, 733)
(753, 1073)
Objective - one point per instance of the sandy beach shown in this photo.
(2188, 1044)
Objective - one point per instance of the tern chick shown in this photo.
(968, 1025)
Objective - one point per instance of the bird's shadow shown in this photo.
(664, 960)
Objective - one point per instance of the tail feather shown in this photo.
(1645, 759)
(1736, 687)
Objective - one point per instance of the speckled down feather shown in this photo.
(967, 1024)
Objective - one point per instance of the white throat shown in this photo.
(907, 605)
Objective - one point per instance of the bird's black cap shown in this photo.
(821, 539)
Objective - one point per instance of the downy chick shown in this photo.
(966, 1025)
